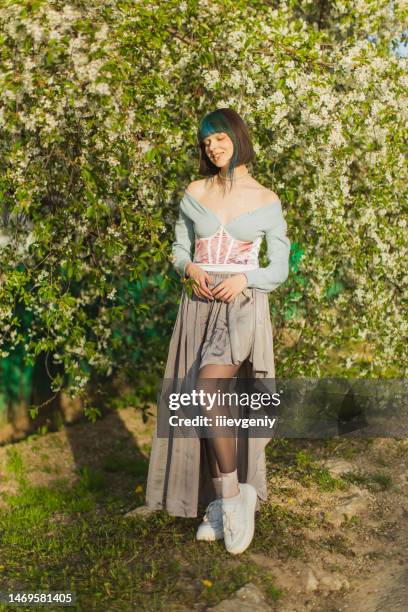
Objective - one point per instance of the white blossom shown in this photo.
(211, 78)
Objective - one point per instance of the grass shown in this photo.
(345, 448)
(338, 543)
(282, 531)
(300, 466)
(14, 463)
(116, 462)
(75, 537)
(373, 482)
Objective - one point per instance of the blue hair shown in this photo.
(216, 121)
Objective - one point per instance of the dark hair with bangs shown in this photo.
(228, 121)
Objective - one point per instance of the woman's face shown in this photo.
(219, 148)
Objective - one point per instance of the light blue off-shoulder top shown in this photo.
(196, 221)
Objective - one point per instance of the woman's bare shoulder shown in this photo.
(265, 195)
(269, 196)
(196, 188)
(261, 194)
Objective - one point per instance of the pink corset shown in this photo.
(222, 248)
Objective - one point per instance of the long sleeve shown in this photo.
(181, 248)
(278, 249)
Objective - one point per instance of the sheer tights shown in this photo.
(221, 452)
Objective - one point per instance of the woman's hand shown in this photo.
(229, 288)
(200, 278)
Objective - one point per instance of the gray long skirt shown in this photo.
(213, 332)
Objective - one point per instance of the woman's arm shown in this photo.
(182, 246)
(278, 249)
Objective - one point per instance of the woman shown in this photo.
(223, 331)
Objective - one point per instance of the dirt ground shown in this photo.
(354, 554)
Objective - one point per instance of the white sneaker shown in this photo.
(211, 527)
(239, 519)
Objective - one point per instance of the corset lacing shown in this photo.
(222, 251)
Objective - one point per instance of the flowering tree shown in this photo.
(99, 106)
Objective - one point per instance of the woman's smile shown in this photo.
(219, 139)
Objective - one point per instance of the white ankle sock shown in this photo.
(230, 484)
(217, 486)
(230, 501)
